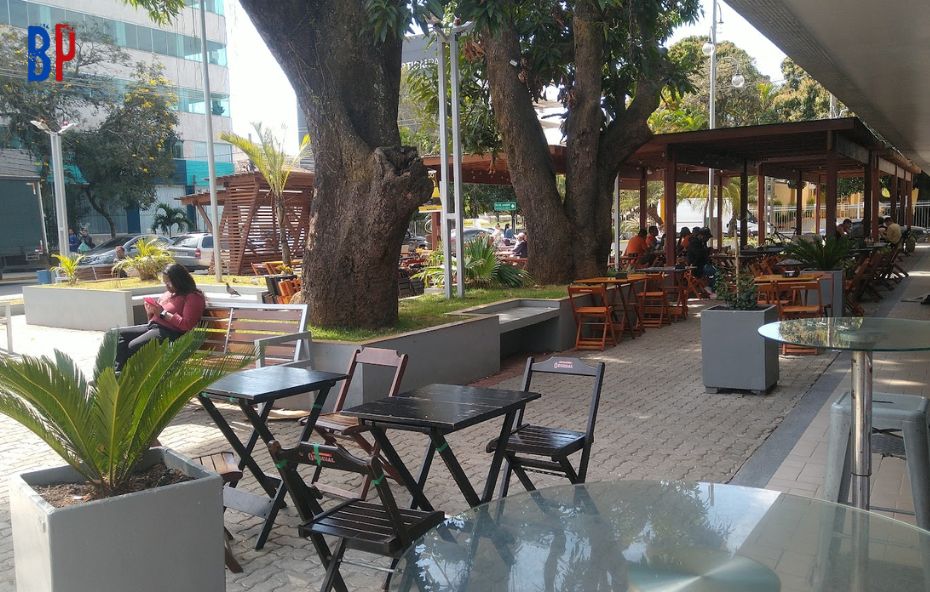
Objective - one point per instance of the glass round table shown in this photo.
(861, 336)
(650, 536)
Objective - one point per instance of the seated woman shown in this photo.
(175, 313)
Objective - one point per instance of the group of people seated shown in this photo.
(888, 230)
(692, 245)
(505, 238)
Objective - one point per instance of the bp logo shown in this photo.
(38, 44)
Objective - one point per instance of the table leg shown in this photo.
(620, 299)
(424, 470)
(452, 463)
(390, 453)
(498, 457)
(315, 411)
(267, 482)
(861, 427)
(637, 327)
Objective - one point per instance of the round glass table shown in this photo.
(650, 536)
(861, 336)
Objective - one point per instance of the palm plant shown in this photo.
(68, 266)
(103, 427)
(817, 253)
(481, 267)
(167, 216)
(275, 165)
(152, 257)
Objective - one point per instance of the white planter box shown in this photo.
(159, 540)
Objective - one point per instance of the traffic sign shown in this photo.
(505, 206)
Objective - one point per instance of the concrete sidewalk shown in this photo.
(655, 422)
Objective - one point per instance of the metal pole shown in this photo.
(211, 162)
(712, 106)
(37, 187)
(861, 427)
(616, 217)
(61, 205)
(457, 164)
(444, 165)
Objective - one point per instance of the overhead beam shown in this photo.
(671, 204)
(850, 149)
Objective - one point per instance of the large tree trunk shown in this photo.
(531, 170)
(367, 185)
(89, 194)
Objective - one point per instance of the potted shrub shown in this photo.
(733, 354)
(150, 260)
(125, 530)
(829, 256)
(67, 267)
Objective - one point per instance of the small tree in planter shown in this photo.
(103, 429)
(828, 255)
(68, 267)
(151, 259)
(734, 355)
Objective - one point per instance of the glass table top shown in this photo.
(852, 333)
(651, 536)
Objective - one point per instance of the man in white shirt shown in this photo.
(892, 231)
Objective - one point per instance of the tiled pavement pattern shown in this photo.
(802, 472)
(655, 422)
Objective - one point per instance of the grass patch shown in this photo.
(430, 310)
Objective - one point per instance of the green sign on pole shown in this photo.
(505, 206)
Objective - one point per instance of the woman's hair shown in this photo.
(181, 279)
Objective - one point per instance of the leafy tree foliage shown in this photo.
(168, 217)
(124, 158)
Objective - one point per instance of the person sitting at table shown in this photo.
(683, 239)
(653, 238)
(637, 245)
(698, 253)
(176, 312)
(844, 228)
(521, 249)
(892, 231)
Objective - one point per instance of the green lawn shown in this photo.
(430, 310)
(134, 282)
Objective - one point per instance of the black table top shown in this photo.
(269, 383)
(446, 407)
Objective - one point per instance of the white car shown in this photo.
(193, 251)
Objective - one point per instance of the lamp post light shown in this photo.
(58, 175)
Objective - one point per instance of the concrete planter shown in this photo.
(733, 354)
(831, 286)
(167, 538)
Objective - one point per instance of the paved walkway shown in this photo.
(655, 422)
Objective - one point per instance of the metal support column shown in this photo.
(861, 428)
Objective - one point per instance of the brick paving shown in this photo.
(655, 422)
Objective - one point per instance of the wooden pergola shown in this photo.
(818, 152)
(248, 229)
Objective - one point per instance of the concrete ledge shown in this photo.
(77, 308)
(530, 324)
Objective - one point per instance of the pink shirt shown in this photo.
(186, 311)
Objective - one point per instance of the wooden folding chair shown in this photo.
(336, 428)
(380, 529)
(654, 301)
(597, 314)
(540, 449)
(802, 300)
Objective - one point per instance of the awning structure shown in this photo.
(872, 55)
(817, 152)
(248, 225)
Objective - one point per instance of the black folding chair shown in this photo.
(546, 450)
(381, 529)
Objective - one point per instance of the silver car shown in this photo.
(193, 251)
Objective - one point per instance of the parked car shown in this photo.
(193, 251)
(105, 253)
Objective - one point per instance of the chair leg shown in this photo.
(231, 562)
(524, 478)
(333, 577)
(505, 479)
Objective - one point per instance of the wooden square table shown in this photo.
(261, 387)
(438, 410)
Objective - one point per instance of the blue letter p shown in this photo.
(37, 54)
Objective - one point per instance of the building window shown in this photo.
(222, 151)
(214, 6)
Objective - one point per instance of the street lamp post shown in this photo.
(58, 175)
(211, 159)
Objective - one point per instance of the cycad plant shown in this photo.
(103, 427)
(68, 266)
(167, 216)
(817, 253)
(152, 257)
(269, 158)
(482, 268)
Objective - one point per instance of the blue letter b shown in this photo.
(37, 54)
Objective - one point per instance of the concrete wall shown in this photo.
(73, 308)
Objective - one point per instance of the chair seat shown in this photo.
(340, 424)
(367, 527)
(799, 309)
(541, 440)
(592, 309)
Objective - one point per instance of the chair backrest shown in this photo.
(598, 295)
(802, 291)
(288, 460)
(570, 367)
(233, 329)
(373, 356)
(654, 282)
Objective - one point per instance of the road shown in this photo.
(8, 289)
